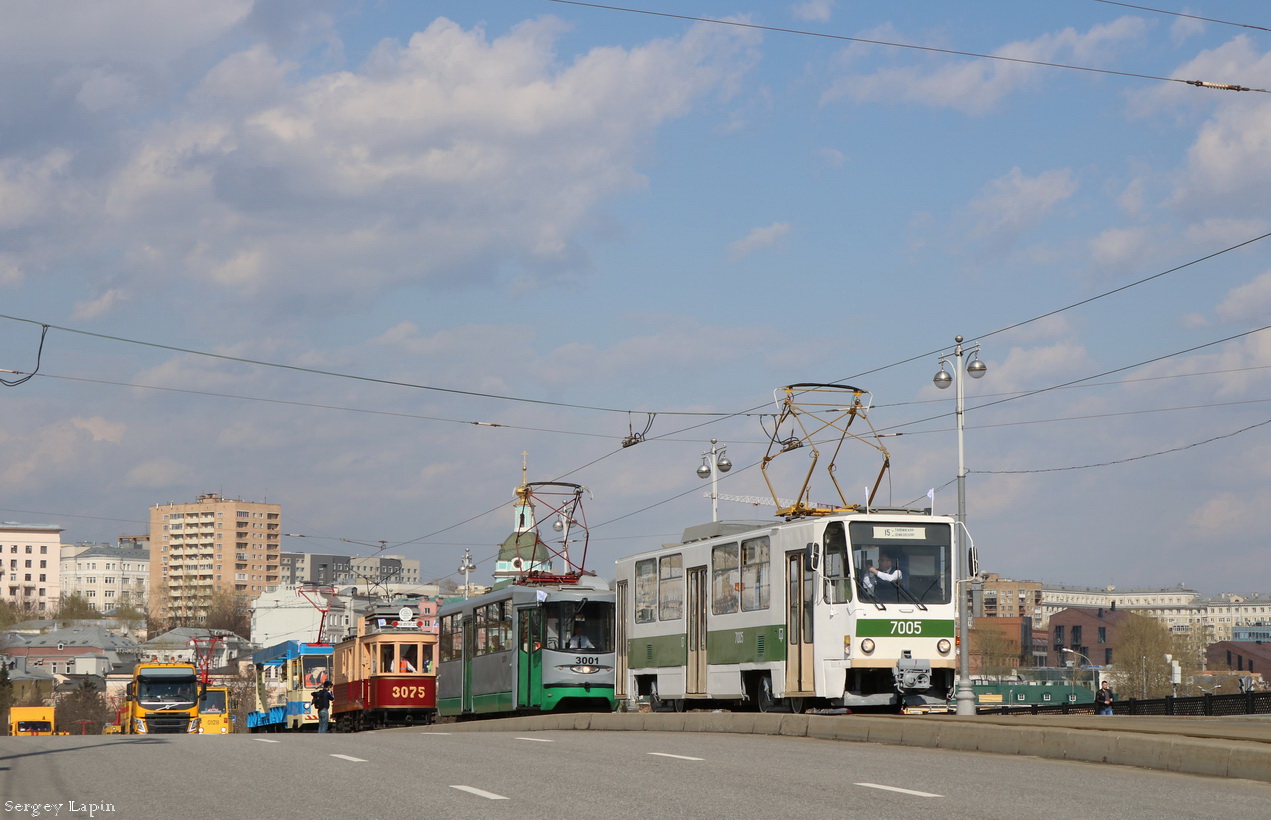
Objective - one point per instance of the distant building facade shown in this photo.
(329, 569)
(106, 576)
(31, 557)
(214, 545)
(1091, 632)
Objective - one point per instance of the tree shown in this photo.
(6, 692)
(84, 711)
(1140, 668)
(229, 611)
(74, 607)
(999, 656)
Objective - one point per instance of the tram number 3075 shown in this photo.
(408, 692)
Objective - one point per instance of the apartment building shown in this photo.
(106, 576)
(213, 545)
(30, 556)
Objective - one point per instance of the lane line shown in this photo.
(351, 759)
(265, 740)
(434, 733)
(536, 739)
(677, 757)
(480, 793)
(895, 789)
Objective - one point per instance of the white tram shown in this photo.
(846, 606)
(786, 615)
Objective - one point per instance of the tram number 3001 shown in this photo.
(906, 627)
(408, 692)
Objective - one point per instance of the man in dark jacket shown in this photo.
(322, 700)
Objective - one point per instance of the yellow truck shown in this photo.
(30, 720)
(163, 698)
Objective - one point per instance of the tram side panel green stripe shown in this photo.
(659, 650)
(904, 628)
(755, 644)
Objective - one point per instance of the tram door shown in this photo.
(469, 651)
(529, 656)
(620, 640)
(698, 591)
(800, 600)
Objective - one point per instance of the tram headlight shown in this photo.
(867, 645)
(944, 646)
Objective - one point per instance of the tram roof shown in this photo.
(288, 650)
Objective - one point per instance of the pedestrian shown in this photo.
(1103, 699)
(322, 700)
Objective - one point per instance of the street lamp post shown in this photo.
(713, 463)
(1094, 684)
(466, 567)
(965, 698)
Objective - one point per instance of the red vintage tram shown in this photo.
(385, 676)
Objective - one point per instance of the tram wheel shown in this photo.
(796, 705)
(656, 703)
(764, 701)
(679, 705)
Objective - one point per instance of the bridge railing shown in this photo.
(1243, 703)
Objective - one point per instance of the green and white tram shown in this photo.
(785, 615)
(528, 648)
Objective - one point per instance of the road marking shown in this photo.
(677, 757)
(434, 733)
(537, 739)
(265, 740)
(894, 789)
(351, 759)
(480, 793)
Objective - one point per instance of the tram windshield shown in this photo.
(316, 670)
(579, 625)
(212, 702)
(898, 563)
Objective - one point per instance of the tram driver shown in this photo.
(885, 575)
(578, 640)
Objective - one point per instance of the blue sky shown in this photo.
(580, 207)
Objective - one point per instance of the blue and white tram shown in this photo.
(796, 613)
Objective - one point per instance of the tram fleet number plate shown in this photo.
(904, 628)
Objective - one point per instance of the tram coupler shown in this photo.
(912, 674)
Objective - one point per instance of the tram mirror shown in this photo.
(973, 561)
(812, 556)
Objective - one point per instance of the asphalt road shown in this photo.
(407, 773)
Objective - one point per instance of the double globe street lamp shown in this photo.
(714, 462)
(965, 697)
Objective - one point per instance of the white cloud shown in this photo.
(976, 85)
(1015, 203)
(453, 157)
(1251, 301)
(100, 306)
(100, 429)
(758, 239)
(817, 11)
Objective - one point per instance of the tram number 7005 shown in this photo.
(906, 627)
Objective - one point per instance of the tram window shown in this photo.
(316, 671)
(449, 645)
(387, 651)
(408, 658)
(646, 591)
(725, 578)
(838, 584)
(756, 574)
(671, 588)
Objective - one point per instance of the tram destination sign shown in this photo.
(907, 533)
